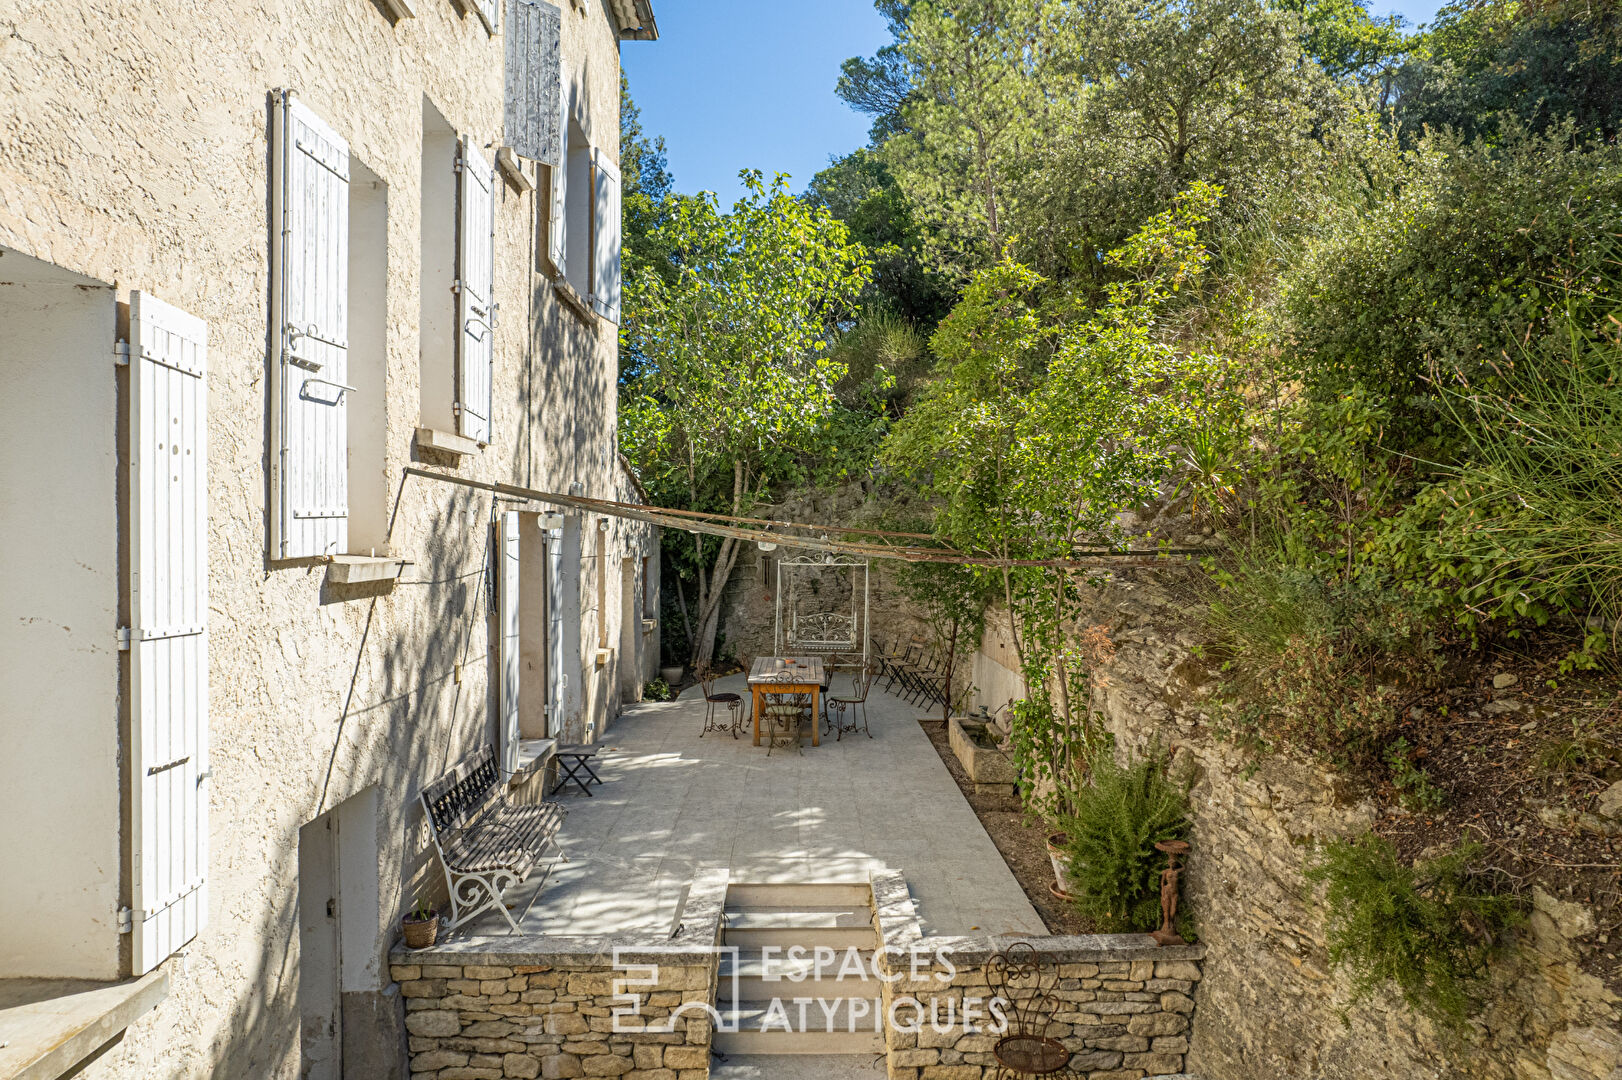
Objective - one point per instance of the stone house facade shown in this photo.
(257, 260)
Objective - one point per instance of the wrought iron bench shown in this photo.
(485, 843)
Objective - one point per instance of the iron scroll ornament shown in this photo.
(1026, 983)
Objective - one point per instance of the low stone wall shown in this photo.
(1123, 1005)
(557, 1007)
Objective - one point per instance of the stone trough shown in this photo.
(976, 749)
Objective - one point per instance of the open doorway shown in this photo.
(338, 929)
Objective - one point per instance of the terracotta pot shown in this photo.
(1061, 864)
(420, 933)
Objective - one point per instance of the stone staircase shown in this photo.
(805, 942)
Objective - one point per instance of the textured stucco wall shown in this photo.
(135, 152)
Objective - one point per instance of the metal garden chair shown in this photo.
(732, 702)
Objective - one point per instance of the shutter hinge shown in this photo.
(121, 353)
(456, 286)
(124, 639)
(126, 921)
(456, 408)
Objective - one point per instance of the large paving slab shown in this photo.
(673, 802)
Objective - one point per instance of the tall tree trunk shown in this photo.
(951, 662)
(712, 585)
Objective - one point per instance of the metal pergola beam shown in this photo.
(771, 532)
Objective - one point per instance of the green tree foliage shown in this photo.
(1536, 64)
(1047, 419)
(1473, 247)
(1348, 42)
(1429, 928)
(1048, 131)
(1119, 814)
(880, 85)
(859, 190)
(645, 187)
(735, 387)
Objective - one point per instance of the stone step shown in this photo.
(799, 894)
(826, 1028)
(836, 927)
(759, 979)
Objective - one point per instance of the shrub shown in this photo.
(1310, 659)
(1119, 816)
(657, 690)
(1430, 928)
(1476, 246)
(1415, 790)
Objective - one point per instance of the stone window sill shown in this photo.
(445, 442)
(575, 302)
(533, 754)
(49, 1026)
(360, 569)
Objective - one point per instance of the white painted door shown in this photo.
(168, 637)
(508, 586)
(320, 1016)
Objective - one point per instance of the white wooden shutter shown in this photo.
(475, 274)
(507, 587)
(168, 636)
(557, 225)
(557, 681)
(489, 12)
(310, 335)
(532, 120)
(605, 238)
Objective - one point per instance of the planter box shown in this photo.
(976, 749)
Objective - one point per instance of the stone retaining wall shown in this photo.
(1123, 1005)
(489, 1021)
(530, 1006)
(1272, 1006)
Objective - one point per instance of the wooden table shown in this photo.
(763, 679)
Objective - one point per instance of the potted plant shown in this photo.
(672, 675)
(420, 925)
(1057, 844)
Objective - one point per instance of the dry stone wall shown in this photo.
(561, 1007)
(493, 1020)
(1270, 1007)
(1122, 1005)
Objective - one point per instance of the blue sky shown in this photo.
(735, 84)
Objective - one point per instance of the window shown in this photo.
(582, 225)
(437, 318)
(329, 264)
(576, 268)
(458, 311)
(605, 237)
(367, 405)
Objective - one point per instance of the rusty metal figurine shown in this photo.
(1167, 934)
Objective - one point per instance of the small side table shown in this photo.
(572, 761)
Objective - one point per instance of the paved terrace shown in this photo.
(672, 802)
